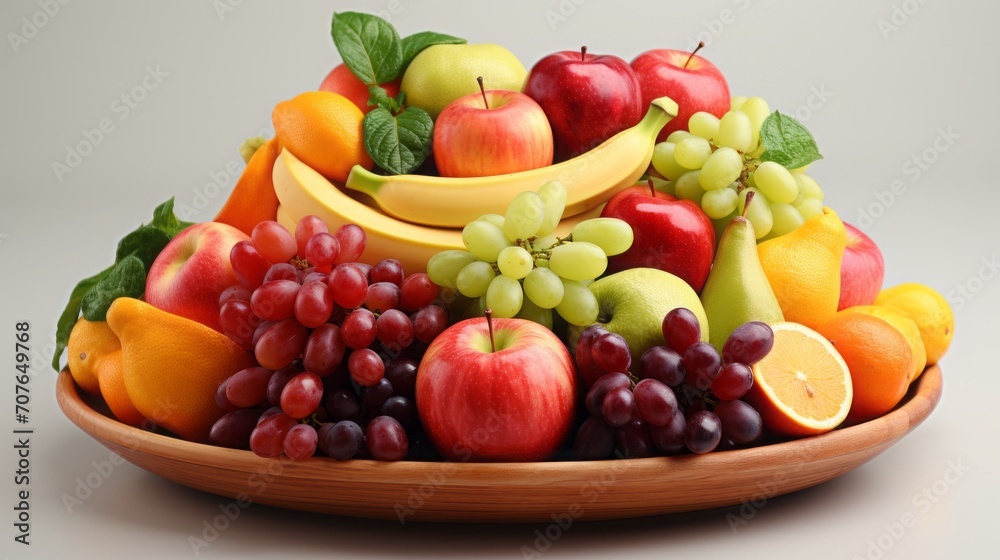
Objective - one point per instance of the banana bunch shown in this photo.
(590, 179)
(303, 191)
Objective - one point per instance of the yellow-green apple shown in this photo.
(514, 402)
(671, 234)
(491, 133)
(693, 82)
(588, 98)
(441, 74)
(341, 80)
(190, 273)
(861, 271)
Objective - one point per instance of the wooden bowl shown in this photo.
(508, 492)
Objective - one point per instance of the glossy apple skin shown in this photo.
(671, 234)
(698, 87)
(587, 99)
(862, 270)
(516, 404)
(341, 80)
(188, 276)
(473, 141)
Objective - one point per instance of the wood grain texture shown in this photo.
(508, 492)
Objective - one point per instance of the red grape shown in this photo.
(394, 330)
(366, 367)
(273, 241)
(236, 291)
(277, 383)
(358, 329)
(349, 286)
(322, 251)
(239, 322)
(324, 350)
(307, 227)
(351, 238)
(233, 429)
(386, 439)
(681, 329)
(268, 437)
(402, 373)
(281, 344)
(313, 304)
(301, 395)
(248, 264)
(610, 353)
(342, 405)
(221, 400)
(282, 271)
(654, 402)
(417, 291)
(382, 296)
(702, 363)
(300, 442)
(387, 270)
(248, 387)
(734, 381)
(375, 396)
(275, 300)
(600, 388)
(429, 322)
(618, 407)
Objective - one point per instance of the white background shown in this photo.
(890, 87)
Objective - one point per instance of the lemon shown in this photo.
(929, 310)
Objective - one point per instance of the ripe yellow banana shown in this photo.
(590, 179)
(302, 191)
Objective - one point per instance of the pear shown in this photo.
(737, 290)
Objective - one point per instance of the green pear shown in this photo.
(737, 290)
(441, 74)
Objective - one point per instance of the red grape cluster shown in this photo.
(685, 396)
(338, 343)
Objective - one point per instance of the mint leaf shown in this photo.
(72, 311)
(379, 97)
(126, 279)
(144, 243)
(398, 144)
(369, 46)
(417, 42)
(165, 220)
(787, 142)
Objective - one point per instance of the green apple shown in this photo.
(633, 303)
(441, 74)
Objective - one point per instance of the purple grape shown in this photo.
(740, 421)
(681, 329)
(702, 432)
(618, 408)
(669, 438)
(595, 396)
(663, 364)
(595, 440)
(702, 363)
(654, 402)
(634, 440)
(610, 353)
(734, 381)
(344, 440)
(748, 344)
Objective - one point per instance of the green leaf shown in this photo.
(165, 220)
(787, 142)
(417, 42)
(126, 279)
(72, 312)
(398, 144)
(369, 46)
(379, 97)
(145, 243)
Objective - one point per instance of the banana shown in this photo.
(590, 179)
(302, 191)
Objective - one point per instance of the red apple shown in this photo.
(341, 80)
(491, 133)
(671, 234)
(587, 98)
(861, 271)
(690, 80)
(188, 276)
(512, 404)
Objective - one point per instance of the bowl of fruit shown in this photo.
(453, 289)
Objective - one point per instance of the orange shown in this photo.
(803, 386)
(112, 381)
(173, 366)
(253, 199)
(929, 310)
(879, 359)
(88, 343)
(324, 130)
(905, 326)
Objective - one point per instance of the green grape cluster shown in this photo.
(517, 266)
(716, 162)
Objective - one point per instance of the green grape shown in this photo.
(578, 306)
(755, 108)
(484, 240)
(664, 163)
(735, 131)
(737, 102)
(543, 243)
(475, 278)
(443, 268)
(678, 135)
(495, 219)
(504, 296)
(612, 235)
(532, 312)
(756, 152)
(543, 287)
(808, 187)
(692, 152)
(776, 182)
(719, 203)
(704, 125)
(578, 261)
(759, 213)
(785, 217)
(809, 208)
(524, 216)
(721, 168)
(515, 262)
(553, 195)
(688, 187)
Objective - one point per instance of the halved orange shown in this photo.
(803, 386)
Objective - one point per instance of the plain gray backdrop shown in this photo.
(878, 83)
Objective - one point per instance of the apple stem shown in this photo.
(489, 325)
(583, 52)
(482, 90)
(746, 204)
(652, 189)
(701, 44)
